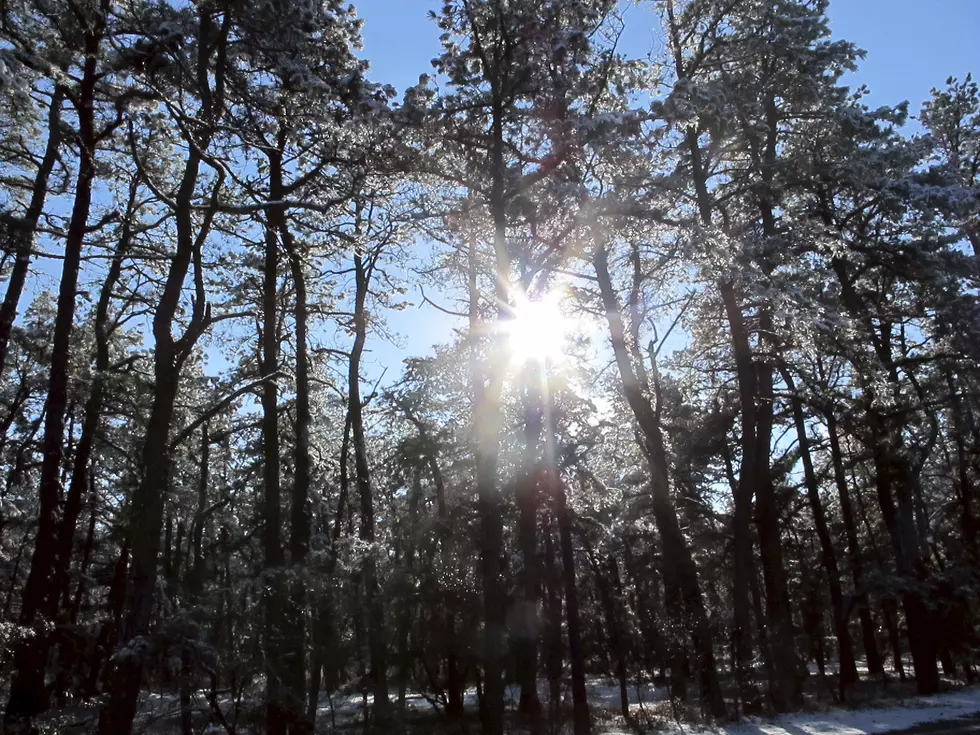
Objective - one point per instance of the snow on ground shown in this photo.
(887, 716)
(897, 716)
(601, 693)
(909, 712)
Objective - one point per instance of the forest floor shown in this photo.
(871, 714)
(873, 710)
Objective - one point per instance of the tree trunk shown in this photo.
(742, 516)
(89, 545)
(294, 679)
(854, 549)
(680, 571)
(195, 576)
(25, 229)
(170, 354)
(109, 630)
(968, 521)
(893, 484)
(377, 639)
(580, 704)
(405, 608)
(81, 465)
(828, 555)
(787, 691)
(278, 720)
(918, 618)
(604, 583)
(527, 629)
(41, 593)
(644, 607)
(486, 416)
(553, 637)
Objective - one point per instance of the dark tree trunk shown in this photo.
(580, 704)
(41, 592)
(742, 516)
(968, 520)
(300, 522)
(320, 655)
(746, 381)
(89, 545)
(81, 473)
(278, 719)
(454, 678)
(680, 571)
(81, 465)
(644, 605)
(605, 579)
(25, 229)
(853, 549)
(404, 657)
(109, 630)
(125, 678)
(486, 415)
(894, 486)
(184, 695)
(889, 612)
(828, 555)
(377, 642)
(918, 618)
(526, 631)
(195, 577)
(787, 691)
(553, 637)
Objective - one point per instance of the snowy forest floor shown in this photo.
(873, 709)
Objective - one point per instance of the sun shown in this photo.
(537, 331)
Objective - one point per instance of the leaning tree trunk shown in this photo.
(170, 355)
(680, 570)
(80, 486)
(743, 489)
(372, 590)
(40, 599)
(22, 231)
(828, 555)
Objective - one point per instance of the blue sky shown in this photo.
(912, 46)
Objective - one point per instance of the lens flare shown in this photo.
(537, 330)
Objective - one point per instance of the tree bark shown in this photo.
(278, 715)
(893, 485)
(854, 549)
(553, 638)
(299, 537)
(580, 703)
(527, 628)
(40, 599)
(828, 555)
(170, 354)
(377, 642)
(680, 570)
(25, 229)
(605, 578)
